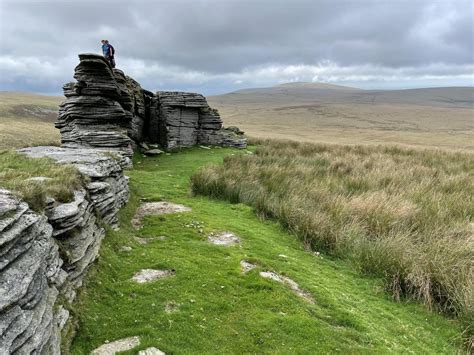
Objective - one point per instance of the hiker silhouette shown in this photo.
(109, 52)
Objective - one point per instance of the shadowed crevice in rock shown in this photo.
(156, 208)
(116, 346)
(149, 275)
(289, 282)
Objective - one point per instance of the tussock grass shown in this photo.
(16, 169)
(405, 215)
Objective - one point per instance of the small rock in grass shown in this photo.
(286, 280)
(145, 241)
(151, 351)
(149, 275)
(246, 266)
(111, 348)
(126, 249)
(39, 179)
(156, 208)
(204, 147)
(224, 238)
(282, 256)
(171, 307)
(153, 152)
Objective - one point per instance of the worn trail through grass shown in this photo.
(210, 306)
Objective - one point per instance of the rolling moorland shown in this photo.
(324, 113)
(352, 264)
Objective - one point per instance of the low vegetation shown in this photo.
(27, 120)
(209, 306)
(405, 215)
(20, 174)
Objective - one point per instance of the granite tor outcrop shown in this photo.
(106, 109)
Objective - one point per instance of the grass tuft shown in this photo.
(16, 169)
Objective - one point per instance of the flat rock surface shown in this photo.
(286, 280)
(151, 351)
(224, 238)
(247, 266)
(156, 208)
(117, 346)
(149, 275)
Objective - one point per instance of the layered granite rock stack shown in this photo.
(93, 115)
(186, 120)
(30, 276)
(44, 256)
(108, 110)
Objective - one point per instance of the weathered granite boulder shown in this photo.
(93, 114)
(30, 276)
(185, 119)
(46, 255)
(109, 110)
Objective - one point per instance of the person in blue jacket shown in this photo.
(109, 52)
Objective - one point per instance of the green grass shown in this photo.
(219, 309)
(404, 215)
(16, 169)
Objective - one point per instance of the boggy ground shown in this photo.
(210, 306)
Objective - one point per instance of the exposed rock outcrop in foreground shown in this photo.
(33, 273)
(44, 256)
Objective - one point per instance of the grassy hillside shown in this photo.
(403, 215)
(27, 120)
(211, 306)
(436, 117)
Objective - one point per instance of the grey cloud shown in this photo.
(227, 37)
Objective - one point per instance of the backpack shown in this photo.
(113, 49)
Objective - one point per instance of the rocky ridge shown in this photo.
(106, 109)
(44, 257)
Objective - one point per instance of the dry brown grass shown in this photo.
(16, 170)
(441, 118)
(27, 120)
(405, 215)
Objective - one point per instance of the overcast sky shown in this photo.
(215, 46)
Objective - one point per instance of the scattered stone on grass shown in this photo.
(149, 275)
(39, 179)
(156, 208)
(224, 238)
(246, 266)
(286, 280)
(144, 241)
(117, 346)
(126, 249)
(153, 152)
(171, 307)
(151, 351)
(204, 147)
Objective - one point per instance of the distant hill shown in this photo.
(27, 119)
(320, 112)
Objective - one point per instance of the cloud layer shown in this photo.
(222, 45)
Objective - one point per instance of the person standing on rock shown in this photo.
(109, 52)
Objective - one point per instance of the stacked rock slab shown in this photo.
(30, 276)
(186, 120)
(92, 115)
(108, 110)
(33, 273)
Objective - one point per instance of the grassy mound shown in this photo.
(211, 306)
(405, 215)
(17, 169)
